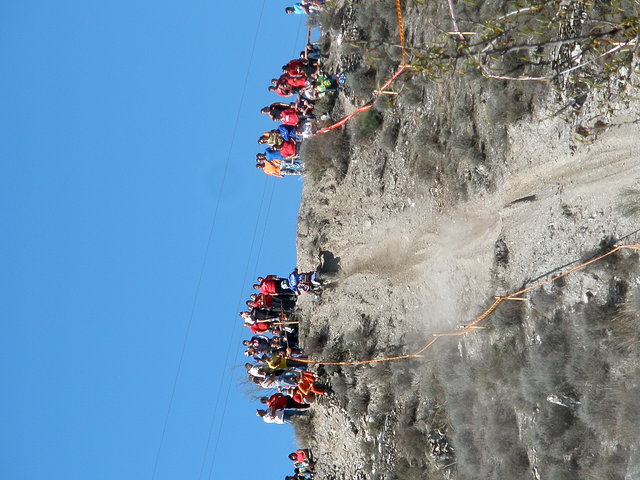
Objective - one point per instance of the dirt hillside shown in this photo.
(446, 205)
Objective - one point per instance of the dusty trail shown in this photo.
(414, 259)
(414, 273)
(596, 169)
(447, 259)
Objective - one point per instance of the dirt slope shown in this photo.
(421, 269)
(416, 253)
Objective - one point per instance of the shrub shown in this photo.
(390, 134)
(412, 442)
(326, 154)
(324, 105)
(341, 389)
(411, 96)
(358, 403)
(368, 123)
(378, 374)
(625, 328)
(329, 19)
(629, 202)
(509, 102)
(376, 424)
(428, 150)
(315, 343)
(304, 429)
(362, 83)
(467, 147)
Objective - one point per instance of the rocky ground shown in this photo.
(466, 190)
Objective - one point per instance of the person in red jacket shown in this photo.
(307, 390)
(275, 109)
(262, 301)
(272, 285)
(288, 149)
(294, 81)
(279, 401)
(259, 327)
(297, 81)
(301, 456)
(276, 303)
(297, 66)
(289, 117)
(284, 90)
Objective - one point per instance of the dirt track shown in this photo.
(469, 190)
(444, 260)
(414, 266)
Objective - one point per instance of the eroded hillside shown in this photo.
(458, 189)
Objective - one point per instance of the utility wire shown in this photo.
(233, 336)
(251, 249)
(207, 249)
(230, 343)
(234, 341)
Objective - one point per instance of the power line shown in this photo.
(231, 342)
(233, 339)
(207, 249)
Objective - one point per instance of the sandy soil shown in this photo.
(419, 265)
(412, 256)
(433, 254)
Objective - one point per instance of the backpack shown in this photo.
(289, 117)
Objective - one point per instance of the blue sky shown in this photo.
(117, 120)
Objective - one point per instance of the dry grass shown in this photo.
(326, 154)
(491, 404)
(629, 203)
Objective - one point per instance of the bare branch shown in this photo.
(518, 12)
(487, 73)
(454, 21)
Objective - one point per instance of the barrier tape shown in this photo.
(401, 28)
(384, 86)
(366, 106)
(473, 326)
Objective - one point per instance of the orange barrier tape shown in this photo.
(344, 120)
(470, 327)
(382, 89)
(401, 29)
(366, 106)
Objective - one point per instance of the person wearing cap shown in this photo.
(279, 416)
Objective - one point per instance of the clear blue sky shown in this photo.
(117, 119)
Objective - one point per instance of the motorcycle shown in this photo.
(306, 282)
